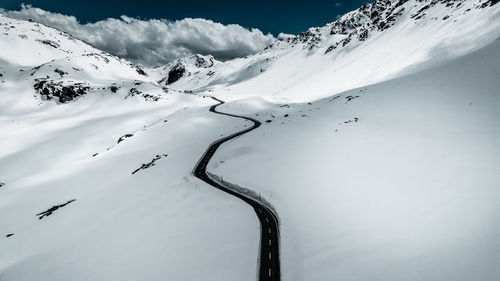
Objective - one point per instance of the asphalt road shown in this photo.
(269, 267)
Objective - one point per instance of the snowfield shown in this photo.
(305, 68)
(378, 150)
(125, 222)
(141, 225)
(397, 180)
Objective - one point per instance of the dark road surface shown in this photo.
(269, 266)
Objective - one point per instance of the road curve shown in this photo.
(269, 266)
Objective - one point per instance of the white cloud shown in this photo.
(338, 5)
(284, 36)
(155, 42)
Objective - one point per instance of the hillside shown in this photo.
(397, 180)
(378, 41)
(378, 151)
(95, 170)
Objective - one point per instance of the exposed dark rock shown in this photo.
(122, 138)
(35, 69)
(60, 72)
(9, 235)
(420, 13)
(201, 62)
(149, 97)
(140, 71)
(133, 92)
(50, 43)
(99, 57)
(489, 3)
(355, 120)
(150, 164)
(349, 98)
(113, 89)
(64, 93)
(176, 73)
(333, 98)
(49, 211)
(363, 35)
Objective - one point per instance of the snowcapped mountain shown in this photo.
(378, 149)
(371, 44)
(29, 43)
(61, 67)
(185, 67)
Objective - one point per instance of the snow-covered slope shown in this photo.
(79, 124)
(392, 181)
(30, 43)
(378, 151)
(61, 67)
(203, 73)
(378, 41)
(196, 65)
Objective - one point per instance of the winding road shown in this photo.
(269, 267)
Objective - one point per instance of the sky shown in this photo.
(154, 33)
(269, 16)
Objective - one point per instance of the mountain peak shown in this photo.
(379, 16)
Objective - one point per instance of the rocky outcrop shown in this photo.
(202, 61)
(360, 24)
(184, 67)
(52, 209)
(176, 73)
(50, 43)
(56, 90)
(150, 164)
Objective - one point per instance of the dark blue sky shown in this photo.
(289, 16)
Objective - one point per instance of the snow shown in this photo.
(158, 222)
(380, 157)
(302, 72)
(21, 38)
(147, 225)
(409, 191)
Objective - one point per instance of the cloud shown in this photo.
(155, 41)
(338, 5)
(284, 36)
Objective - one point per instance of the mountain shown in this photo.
(378, 150)
(378, 41)
(196, 65)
